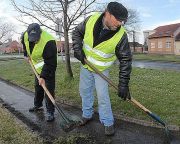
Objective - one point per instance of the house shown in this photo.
(177, 44)
(14, 46)
(165, 40)
(10, 47)
(136, 47)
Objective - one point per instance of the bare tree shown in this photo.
(133, 26)
(6, 30)
(46, 13)
(133, 22)
(71, 12)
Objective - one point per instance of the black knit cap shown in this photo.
(118, 11)
(34, 32)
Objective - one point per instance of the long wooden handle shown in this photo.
(49, 94)
(43, 85)
(132, 100)
(115, 86)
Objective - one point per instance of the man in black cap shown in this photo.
(101, 39)
(41, 48)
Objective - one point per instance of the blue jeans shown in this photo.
(88, 82)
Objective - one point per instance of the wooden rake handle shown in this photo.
(135, 102)
(132, 100)
(43, 85)
(49, 94)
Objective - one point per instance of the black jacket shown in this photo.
(122, 50)
(49, 56)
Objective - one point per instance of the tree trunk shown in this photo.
(134, 45)
(66, 44)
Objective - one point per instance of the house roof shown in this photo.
(12, 44)
(165, 31)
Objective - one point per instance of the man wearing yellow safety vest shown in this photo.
(101, 38)
(40, 46)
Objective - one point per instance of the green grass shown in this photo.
(11, 131)
(157, 57)
(156, 89)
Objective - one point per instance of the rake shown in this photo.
(133, 101)
(70, 123)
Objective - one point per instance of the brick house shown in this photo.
(177, 44)
(165, 40)
(10, 47)
(14, 46)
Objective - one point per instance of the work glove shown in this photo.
(123, 92)
(79, 54)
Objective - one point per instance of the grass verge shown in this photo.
(157, 57)
(14, 132)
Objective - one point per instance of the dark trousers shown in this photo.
(40, 94)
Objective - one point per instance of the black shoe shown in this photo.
(85, 121)
(35, 109)
(109, 130)
(50, 117)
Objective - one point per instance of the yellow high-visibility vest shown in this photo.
(36, 55)
(103, 55)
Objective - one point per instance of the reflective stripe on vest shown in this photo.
(36, 55)
(38, 65)
(102, 56)
(98, 52)
(100, 63)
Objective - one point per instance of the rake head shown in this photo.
(72, 123)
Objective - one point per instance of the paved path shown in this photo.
(157, 65)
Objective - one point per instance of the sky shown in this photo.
(152, 13)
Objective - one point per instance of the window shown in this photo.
(159, 44)
(168, 44)
(152, 45)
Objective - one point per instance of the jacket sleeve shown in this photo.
(23, 45)
(124, 56)
(78, 35)
(50, 60)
